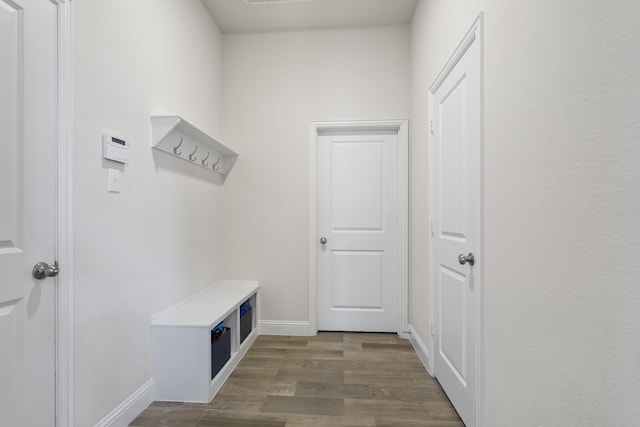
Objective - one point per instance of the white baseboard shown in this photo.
(421, 349)
(128, 410)
(405, 335)
(282, 327)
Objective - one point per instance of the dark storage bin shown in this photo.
(220, 348)
(244, 307)
(246, 323)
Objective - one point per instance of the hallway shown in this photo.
(333, 379)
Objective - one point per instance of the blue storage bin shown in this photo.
(244, 307)
(246, 323)
(220, 348)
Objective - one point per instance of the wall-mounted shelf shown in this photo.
(178, 137)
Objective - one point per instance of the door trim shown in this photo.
(64, 390)
(402, 128)
(476, 32)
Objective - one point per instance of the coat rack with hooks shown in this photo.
(176, 136)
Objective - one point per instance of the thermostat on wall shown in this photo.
(115, 148)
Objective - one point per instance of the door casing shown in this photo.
(64, 219)
(61, 158)
(402, 128)
(475, 33)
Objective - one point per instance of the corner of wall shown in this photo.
(421, 349)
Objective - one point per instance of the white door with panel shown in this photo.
(28, 81)
(456, 151)
(358, 229)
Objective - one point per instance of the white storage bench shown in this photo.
(181, 346)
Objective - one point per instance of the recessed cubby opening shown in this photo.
(247, 318)
(221, 340)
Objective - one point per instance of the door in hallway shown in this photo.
(456, 128)
(358, 230)
(28, 81)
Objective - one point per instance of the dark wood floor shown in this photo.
(333, 379)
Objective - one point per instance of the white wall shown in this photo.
(274, 85)
(158, 240)
(562, 166)
(562, 163)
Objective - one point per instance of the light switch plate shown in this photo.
(114, 181)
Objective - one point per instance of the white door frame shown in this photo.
(402, 128)
(476, 32)
(64, 219)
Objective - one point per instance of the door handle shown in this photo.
(323, 240)
(462, 259)
(42, 270)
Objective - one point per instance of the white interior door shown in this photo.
(456, 151)
(28, 31)
(358, 217)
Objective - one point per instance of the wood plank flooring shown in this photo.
(333, 379)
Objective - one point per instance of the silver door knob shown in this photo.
(323, 240)
(462, 259)
(42, 270)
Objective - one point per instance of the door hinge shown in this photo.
(433, 330)
(432, 234)
(431, 127)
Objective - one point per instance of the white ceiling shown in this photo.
(235, 16)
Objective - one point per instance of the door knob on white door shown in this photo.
(323, 240)
(462, 259)
(42, 270)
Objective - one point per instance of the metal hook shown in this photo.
(175, 149)
(204, 161)
(215, 165)
(192, 156)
